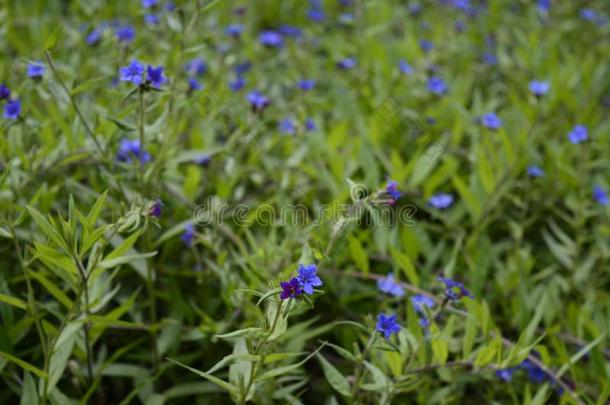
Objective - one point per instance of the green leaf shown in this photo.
(29, 396)
(109, 264)
(359, 255)
(242, 332)
(334, 377)
(46, 227)
(24, 365)
(221, 383)
(16, 302)
(406, 266)
(52, 40)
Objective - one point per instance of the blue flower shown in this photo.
(578, 134)
(242, 67)
(392, 190)
(600, 195)
(12, 109)
(544, 5)
(539, 88)
(441, 201)
(94, 36)
(258, 101)
(195, 67)
(291, 289)
(170, 6)
(125, 34)
(290, 31)
(151, 19)
(132, 72)
(271, 39)
(203, 160)
(5, 92)
(404, 67)
(35, 70)
(454, 290)
(421, 302)
(237, 84)
(387, 325)
(156, 208)
(347, 63)
(316, 15)
(535, 171)
(463, 5)
(426, 45)
(588, 14)
(308, 278)
(306, 84)
(287, 126)
(490, 59)
(437, 85)
(188, 235)
(389, 286)
(155, 76)
(194, 84)
(130, 149)
(534, 373)
(234, 30)
(149, 3)
(506, 374)
(310, 125)
(491, 121)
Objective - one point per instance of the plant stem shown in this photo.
(85, 281)
(141, 135)
(360, 368)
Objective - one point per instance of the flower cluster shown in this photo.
(134, 73)
(304, 282)
(454, 290)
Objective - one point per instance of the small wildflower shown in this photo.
(35, 70)
(389, 286)
(490, 59)
(387, 325)
(149, 3)
(287, 126)
(307, 277)
(600, 195)
(306, 84)
(234, 30)
(454, 290)
(188, 235)
(125, 34)
(346, 18)
(441, 201)
(271, 39)
(94, 37)
(132, 72)
(258, 101)
(426, 45)
(130, 149)
(151, 19)
(392, 190)
(5, 92)
(203, 160)
(310, 125)
(506, 374)
(290, 289)
(155, 76)
(588, 14)
(578, 134)
(156, 208)
(535, 171)
(404, 67)
(346, 63)
(316, 15)
(459, 26)
(237, 84)
(420, 302)
(12, 109)
(242, 67)
(539, 88)
(544, 5)
(290, 31)
(534, 373)
(491, 121)
(194, 84)
(195, 67)
(437, 85)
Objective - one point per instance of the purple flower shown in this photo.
(149, 3)
(426, 45)
(306, 84)
(506, 374)
(463, 5)
(170, 6)
(310, 125)
(291, 289)
(203, 160)
(151, 19)
(421, 302)
(132, 72)
(271, 39)
(12, 109)
(490, 59)
(242, 67)
(534, 373)
(578, 134)
(454, 290)
(539, 88)
(316, 15)
(125, 34)
(588, 14)
(287, 126)
(491, 121)
(188, 235)
(5, 92)
(404, 67)
(234, 30)
(35, 70)
(258, 101)
(195, 67)
(544, 5)
(129, 149)
(389, 286)
(347, 63)
(441, 201)
(94, 36)
(535, 171)
(290, 31)
(237, 84)
(392, 190)
(156, 208)
(194, 84)
(155, 76)
(600, 195)
(387, 325)
(307, 277)
(437, 85)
